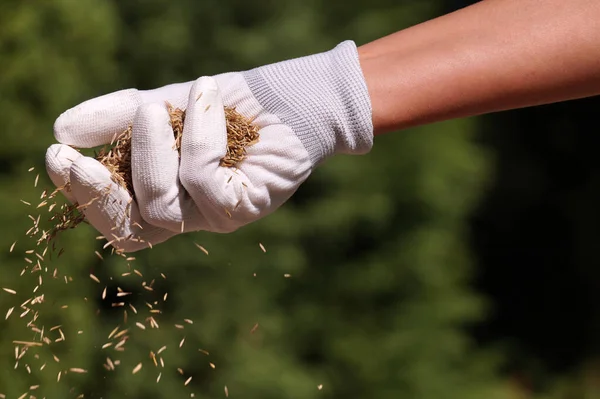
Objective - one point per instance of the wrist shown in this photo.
(322, 97)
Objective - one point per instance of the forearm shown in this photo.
(492, 56)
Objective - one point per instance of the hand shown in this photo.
(306, 109)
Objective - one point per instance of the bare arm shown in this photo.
(492, 56)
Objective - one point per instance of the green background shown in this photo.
(456, 260)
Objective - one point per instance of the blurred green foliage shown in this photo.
(365, 286)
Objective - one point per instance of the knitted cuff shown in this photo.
(322, 97)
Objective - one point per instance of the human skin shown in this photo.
(492, 56)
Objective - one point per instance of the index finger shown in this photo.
(99, 120)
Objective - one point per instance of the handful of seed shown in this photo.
(241, 133)
(116, 157)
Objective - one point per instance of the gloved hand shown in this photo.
(307, 109)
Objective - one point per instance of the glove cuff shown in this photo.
(322, 97)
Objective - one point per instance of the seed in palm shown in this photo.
(241, 134)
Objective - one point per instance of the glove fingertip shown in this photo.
(95, 122)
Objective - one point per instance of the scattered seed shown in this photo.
(93, 277)
(140, 325)
(137, 368)
(98, 255)
(113, 332)
(202, 248)
(182, 342)
(13, 246)
(10, 291)
(262, 247)
(9, 313)
(78, 370)
(187, 381)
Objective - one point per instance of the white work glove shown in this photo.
(307, 109)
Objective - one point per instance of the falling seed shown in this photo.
(13, 246)
(162, 363)
(262, 247)
(120, 334)
(25, 202)
(140, 325)
(27, 343)
(98, 255)
(94, 278)
(254, 329)
(31, 169)
(212, 365)
(201, 248)
(287, 275)
(163, 276)
(113, 332)
(182, 342)
(137, 368)
(133, 308)
(226, 391)
(106, 345)
(188, 321)
(9, 313)
(78, 370)
(204, 351)
(10, 291)
(179, 326)
(161, 350)
(58, 378)
(23, 396)
(320, 387)
(187, 381)
(165, 297)
(36, 180)
(120, 294)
